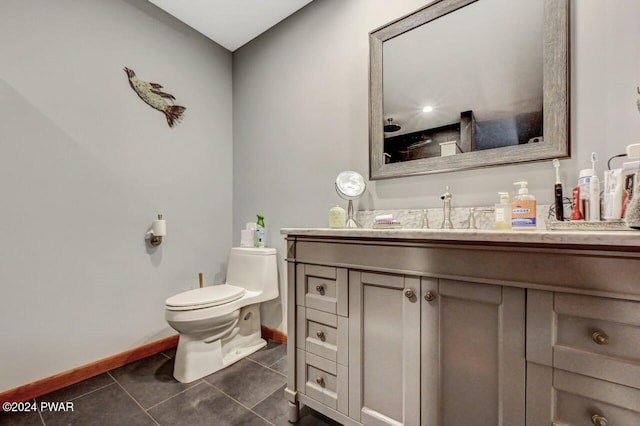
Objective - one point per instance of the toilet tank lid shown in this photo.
(255, 251)
(211, 295)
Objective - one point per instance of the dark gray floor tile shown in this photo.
(150, 380)
(270, 354)
(247, 381)
(24, 418)
(74, 391)
(107, 406)
(280, 366)
(204, 405)
(275, 409)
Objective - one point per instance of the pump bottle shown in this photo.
(523, 209)
(260, 232)
(503, 212)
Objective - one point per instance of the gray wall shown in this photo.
(301, 116)
(85, 166)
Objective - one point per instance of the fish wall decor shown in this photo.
(151, 94)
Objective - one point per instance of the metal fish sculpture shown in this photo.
(155, 98)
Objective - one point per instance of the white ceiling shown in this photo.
(231, 23)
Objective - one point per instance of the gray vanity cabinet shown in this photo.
(422, 351)
(584, 360)
(426, 331)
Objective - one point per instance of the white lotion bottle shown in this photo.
(503, 212)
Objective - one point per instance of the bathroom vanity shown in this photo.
(461, 327)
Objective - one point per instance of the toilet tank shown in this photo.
(254, 269)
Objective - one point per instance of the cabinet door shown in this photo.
(384, 349)
(481, 355)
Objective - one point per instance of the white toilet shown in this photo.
(220, 324)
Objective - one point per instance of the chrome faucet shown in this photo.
(472, 215)
(424, 219)
(446, 221)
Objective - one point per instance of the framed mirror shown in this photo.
(464, 84)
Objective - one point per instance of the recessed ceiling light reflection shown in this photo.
(428, 108)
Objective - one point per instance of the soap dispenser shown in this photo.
(523, 209)
(503, 212)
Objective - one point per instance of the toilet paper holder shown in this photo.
(157, 232)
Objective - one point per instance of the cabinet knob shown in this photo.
(320, 381)
(600, 338)
(321, 335)
(429, 296)
(599, 420)
(320, 289)
(409, 293)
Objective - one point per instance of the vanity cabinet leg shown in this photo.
(293, 412)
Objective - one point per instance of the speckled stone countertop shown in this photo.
(411, 220)
(628, 239)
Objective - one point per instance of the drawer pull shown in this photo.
(600, 338)
(429, 296)
(409, 293)
(599, 420)
(320, 289)
(321, 335)
(320, 381)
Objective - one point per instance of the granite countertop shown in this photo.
(628, 239)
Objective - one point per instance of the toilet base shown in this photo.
(198, 356)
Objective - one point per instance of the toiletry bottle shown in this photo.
(629, 179)
(260, 232)
(632, 214)
(584, 182)
(594, 192)
(576, 213)
(503, 212)
(612, 197)
(523, 209)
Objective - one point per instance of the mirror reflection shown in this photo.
(467, 81)
(463, 84)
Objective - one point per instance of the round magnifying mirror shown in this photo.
(350, 186)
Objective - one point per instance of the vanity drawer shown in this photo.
(581, 400)
(322, 334)
(598, 337)
(322, 380)
(323, 288)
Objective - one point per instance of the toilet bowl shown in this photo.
(220, 324)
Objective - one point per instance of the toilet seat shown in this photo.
(205, 297)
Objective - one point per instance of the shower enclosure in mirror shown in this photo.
(463, 84)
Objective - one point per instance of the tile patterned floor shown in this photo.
(249, 392)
